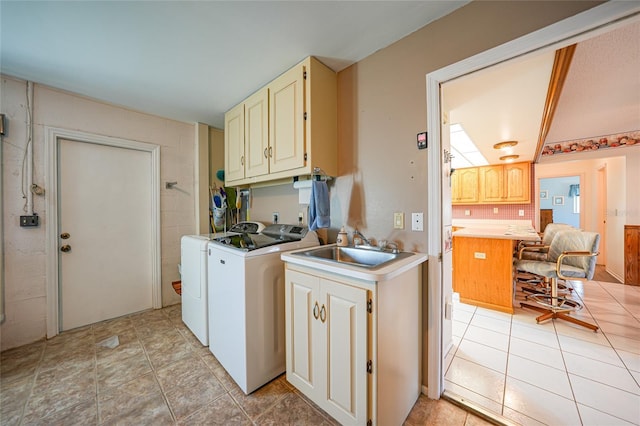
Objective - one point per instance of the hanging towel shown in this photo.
(319, 212)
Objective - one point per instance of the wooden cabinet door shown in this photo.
(286, 121)
(467, 191)
(302, 329)
(517, 184)
(256, 132)
(491, 184)
(234, 143)
(345, 351)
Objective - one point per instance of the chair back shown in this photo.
(551, 230)
(576, 240)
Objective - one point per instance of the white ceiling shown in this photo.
(193, 60)
(600, 97)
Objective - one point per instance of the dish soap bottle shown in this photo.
(343, 238)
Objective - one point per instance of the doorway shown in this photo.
(561, 196)
(103, 231)
(555, 36)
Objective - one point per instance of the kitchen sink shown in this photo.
(362, 257)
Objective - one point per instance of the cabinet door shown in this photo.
(491, 184)
(256, 133)
(344, 351)
(302, 346)
(234, 144)
(286, 121)
(464, 186)
(517, 182)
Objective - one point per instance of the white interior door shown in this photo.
(105, 207)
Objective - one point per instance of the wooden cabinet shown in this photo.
(632, 254)
(289, 128)
(327, 344)
(483, 272)
(517, 182)
(499, 184)
(491, 184)
(464, 186)
(353, 345)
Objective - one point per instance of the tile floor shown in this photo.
(158, 374)
(553, 373)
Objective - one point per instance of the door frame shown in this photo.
(570, 30)
(52, 136)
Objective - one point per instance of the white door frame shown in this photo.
(560, 34)
(52, 135)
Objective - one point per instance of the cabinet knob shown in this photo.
(266, 153)
(315, 310)
(323, 314)
(65, 248)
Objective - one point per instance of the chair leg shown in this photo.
(559, 313)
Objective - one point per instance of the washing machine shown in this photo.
(193, 268)
(246, 301)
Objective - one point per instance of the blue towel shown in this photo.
(319, 211)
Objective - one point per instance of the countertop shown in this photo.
(496, 231)
(375, 275)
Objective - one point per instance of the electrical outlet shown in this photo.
(467, 212)
(398, 220)
(300, 218)
(495, 210)
(417, 221)
(276, 217)
(520, 212)
(26, 221)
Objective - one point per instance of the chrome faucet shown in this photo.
(357, 233)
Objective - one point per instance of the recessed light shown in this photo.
(509, 157)
(505, 144)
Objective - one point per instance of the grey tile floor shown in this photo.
(159, 374)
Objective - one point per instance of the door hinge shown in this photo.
(305, 115)
(440, 257)
(369, 367)
(370, 306)
(304, 75)
(305, 156)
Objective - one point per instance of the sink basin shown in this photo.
(364, 258)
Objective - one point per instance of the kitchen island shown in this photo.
(483, 263)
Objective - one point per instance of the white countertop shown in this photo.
(376, 275)
(496, 231)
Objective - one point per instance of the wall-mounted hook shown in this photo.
(170, 185)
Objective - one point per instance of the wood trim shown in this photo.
(561, 64)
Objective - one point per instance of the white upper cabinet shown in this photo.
(286, 129)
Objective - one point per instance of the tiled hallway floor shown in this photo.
(553, 373)
(159, 374)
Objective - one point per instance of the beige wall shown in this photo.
(25, 248)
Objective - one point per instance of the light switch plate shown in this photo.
(417, 221)
(398, 220)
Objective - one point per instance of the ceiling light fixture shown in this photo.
(505, 144)
(509, 157)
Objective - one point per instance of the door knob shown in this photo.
(65, 248)
(65, 235)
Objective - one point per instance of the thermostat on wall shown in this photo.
(422, 140)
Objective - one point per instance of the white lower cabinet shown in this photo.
(338, 353)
